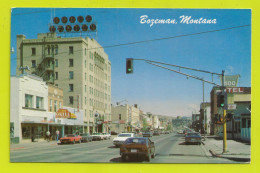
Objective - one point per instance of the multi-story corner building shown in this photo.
(77, 65)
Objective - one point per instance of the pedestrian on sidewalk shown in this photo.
(57, 135)
(48, 135)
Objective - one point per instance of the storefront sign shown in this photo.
(64, 113)
(232, 106)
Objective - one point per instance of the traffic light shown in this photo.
(129, 65)
(221, 100)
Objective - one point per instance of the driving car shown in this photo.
(140, 147)
(120, 139)
(70, 138)
(147, 134)
(193, 138)
(156, 133)
(86, 137)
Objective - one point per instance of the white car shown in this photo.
(106, 135)
(121, 138)
(98, 136)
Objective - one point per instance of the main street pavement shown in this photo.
(170, 148)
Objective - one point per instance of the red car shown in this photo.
(70, 139)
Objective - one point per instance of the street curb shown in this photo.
(231, 158)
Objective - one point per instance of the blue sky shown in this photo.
(154, 89)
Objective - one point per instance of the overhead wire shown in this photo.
(158, 39)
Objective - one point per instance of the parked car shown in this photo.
(137, 147)
(113, 133)
(86, 137)
(167, 132)
(120, 139)
(106, 135)
(193, 138)
(71, 138)
(97, 137)
(156, 133)
(147, 134)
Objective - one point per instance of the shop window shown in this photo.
(28, 101)
(39, 102)
(26, 132)
(248, 123)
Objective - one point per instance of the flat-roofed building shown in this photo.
(79, 66)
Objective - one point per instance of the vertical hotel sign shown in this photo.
(230, 81)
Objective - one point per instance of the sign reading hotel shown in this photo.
(64, 113)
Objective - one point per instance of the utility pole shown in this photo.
(224, 118)
(203, 109)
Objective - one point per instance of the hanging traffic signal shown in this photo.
(221, 100)
(129, 65)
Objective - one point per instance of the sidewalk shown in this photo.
(238, 151)
(26, 145)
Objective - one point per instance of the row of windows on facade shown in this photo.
(30, 100)
(92, 102)
(71, 51)
(91, 114)
(29, 103)
(99, 82)
(54, 49)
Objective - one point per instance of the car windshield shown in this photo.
(124, 135)
(70, 135)
(135, 141)
(193, 134)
